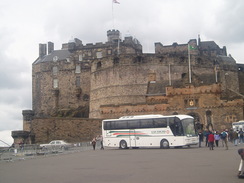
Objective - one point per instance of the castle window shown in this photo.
(182, 59)
(55, 58)
(116, 61)
(183, 75)
(199, 60)
(77, 69)
(86, 97)
(196, 102)
(55, 83)
(99, 54)
(185, 102)
(77, 81)
(80, 58)
(55, 70)
(109, 52)
(99, 65)
(138, 59)
(230, 118)
(161, 59)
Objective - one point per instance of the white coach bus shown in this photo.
(238, 125)
(149, 131)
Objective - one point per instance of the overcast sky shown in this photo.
(26, 23)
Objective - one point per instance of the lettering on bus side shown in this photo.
(159, 132)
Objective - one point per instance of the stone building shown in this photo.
(76, 87)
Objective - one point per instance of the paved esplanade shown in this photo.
(192, 165)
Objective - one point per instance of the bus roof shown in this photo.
(149, 116)
(237, 123)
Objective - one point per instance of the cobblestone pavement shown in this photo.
(186, 165)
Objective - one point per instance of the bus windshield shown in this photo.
(188, 127)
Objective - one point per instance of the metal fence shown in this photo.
(11, 154)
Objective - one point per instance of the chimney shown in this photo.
(42, 50)
(50, 47)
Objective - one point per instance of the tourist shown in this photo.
(217, 138)
(235, 138)
(241, 136)
(101, 141)
(206, 136)
(224, 137)
(94, 143)
(200, 135)
(211, 141)
(241, 166)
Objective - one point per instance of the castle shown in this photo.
(76, 87)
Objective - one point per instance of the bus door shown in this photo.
(132, 138)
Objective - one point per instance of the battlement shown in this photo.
(190, 90)
(176, 48)
(113, 35)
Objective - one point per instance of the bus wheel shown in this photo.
(123, 144)
(164, 144)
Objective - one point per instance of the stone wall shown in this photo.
(69, 96)
(69, 129)
(203, 103)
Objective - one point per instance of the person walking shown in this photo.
(206, 136)
(217, 138)
(224, 137)
(211, 141)
(235, 137)
(241, 136)
(94, 141)
(101, 142)
(200, 135)
(241, 165)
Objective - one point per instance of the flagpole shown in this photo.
(189, 63)
(118, 44)
(216, 74)
(113, 13)
(169, 76)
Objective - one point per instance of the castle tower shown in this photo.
(113, 36)
(27, 118)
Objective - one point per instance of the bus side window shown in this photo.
(133, 124)
(112, 125)
(160, 123)
(121, 125)
(146, 123)
(107, 125)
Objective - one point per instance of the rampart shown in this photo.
(70, 129)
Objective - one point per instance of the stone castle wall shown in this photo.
(68, 96)
(196, 101)
(69, 129)
(114, 79)
(126, 82)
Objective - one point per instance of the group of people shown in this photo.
(212, 138)
(234, 136)
(94, 142)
